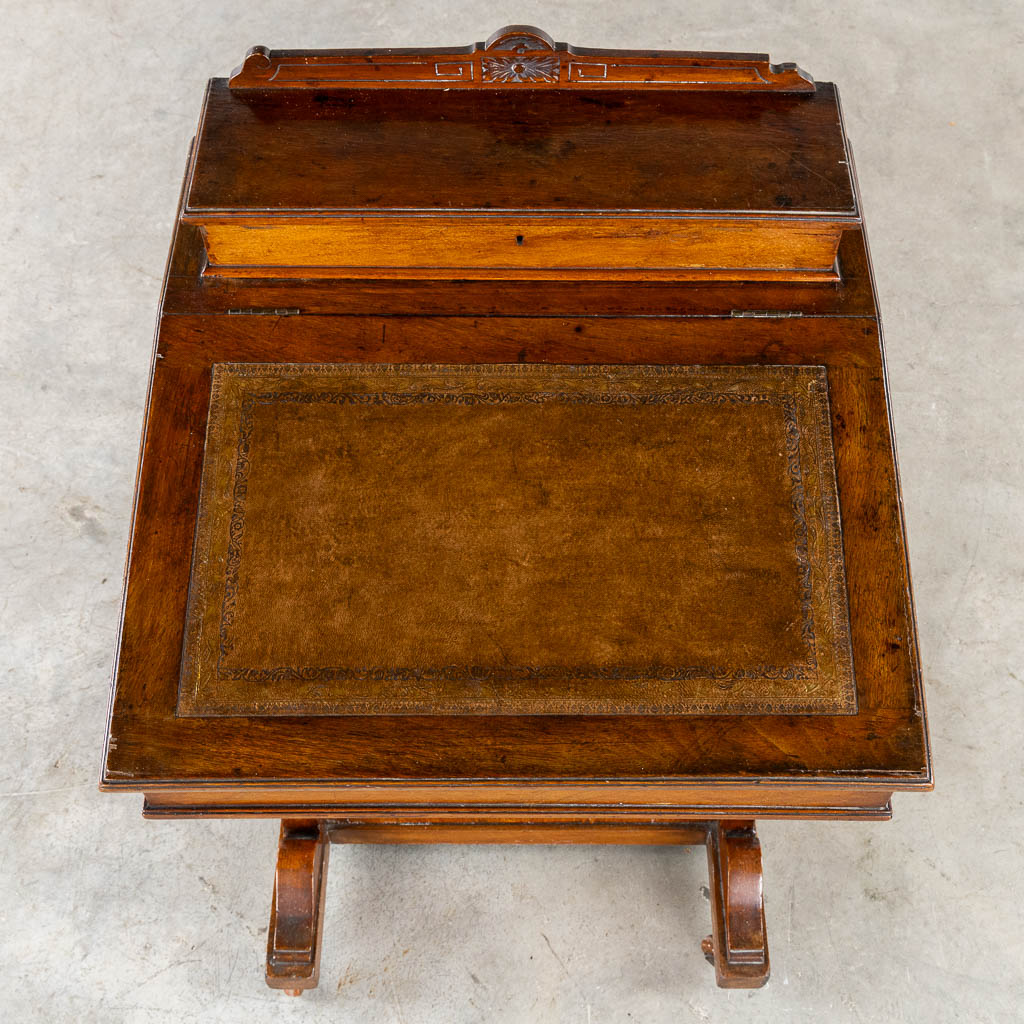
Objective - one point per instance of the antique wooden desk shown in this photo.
(517, 468)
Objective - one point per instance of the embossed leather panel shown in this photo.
(517, 539)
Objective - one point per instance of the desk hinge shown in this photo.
(765, 314)
(264, 312)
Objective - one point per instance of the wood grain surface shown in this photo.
(274, 156)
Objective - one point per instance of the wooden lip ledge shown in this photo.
(516, 56)
(483, 802)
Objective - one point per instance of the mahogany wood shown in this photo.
(738, 944)
(884, 743)
(555, 152)
(569, 831)
(519, 201)
(297, 909)
(516, 55)
(525, 248)
(189, 290)
(546, 173)
(611, 801)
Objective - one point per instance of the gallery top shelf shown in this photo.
(516, 57)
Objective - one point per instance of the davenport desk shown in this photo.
(518, 468)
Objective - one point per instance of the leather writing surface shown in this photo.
(517, 539)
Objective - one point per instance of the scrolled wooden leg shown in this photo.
(297, 912)
(738, 944)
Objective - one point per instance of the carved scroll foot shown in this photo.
(297, 912)
(738, 944)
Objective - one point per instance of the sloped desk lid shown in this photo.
(331, 585)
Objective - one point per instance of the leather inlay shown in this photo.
(517, 539)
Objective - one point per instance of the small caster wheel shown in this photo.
(707, 947)
(292, 991)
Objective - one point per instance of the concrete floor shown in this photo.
(105, 917)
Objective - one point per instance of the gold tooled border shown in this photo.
(827, 683)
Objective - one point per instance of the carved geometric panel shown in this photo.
(517, 539)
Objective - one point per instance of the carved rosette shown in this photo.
(520, 69)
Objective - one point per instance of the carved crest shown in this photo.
(516, 56)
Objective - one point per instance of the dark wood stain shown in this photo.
(531, 147)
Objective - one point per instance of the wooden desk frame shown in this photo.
(671, 780)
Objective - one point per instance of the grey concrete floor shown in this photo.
(105, 917)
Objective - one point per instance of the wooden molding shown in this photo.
(516, 56)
